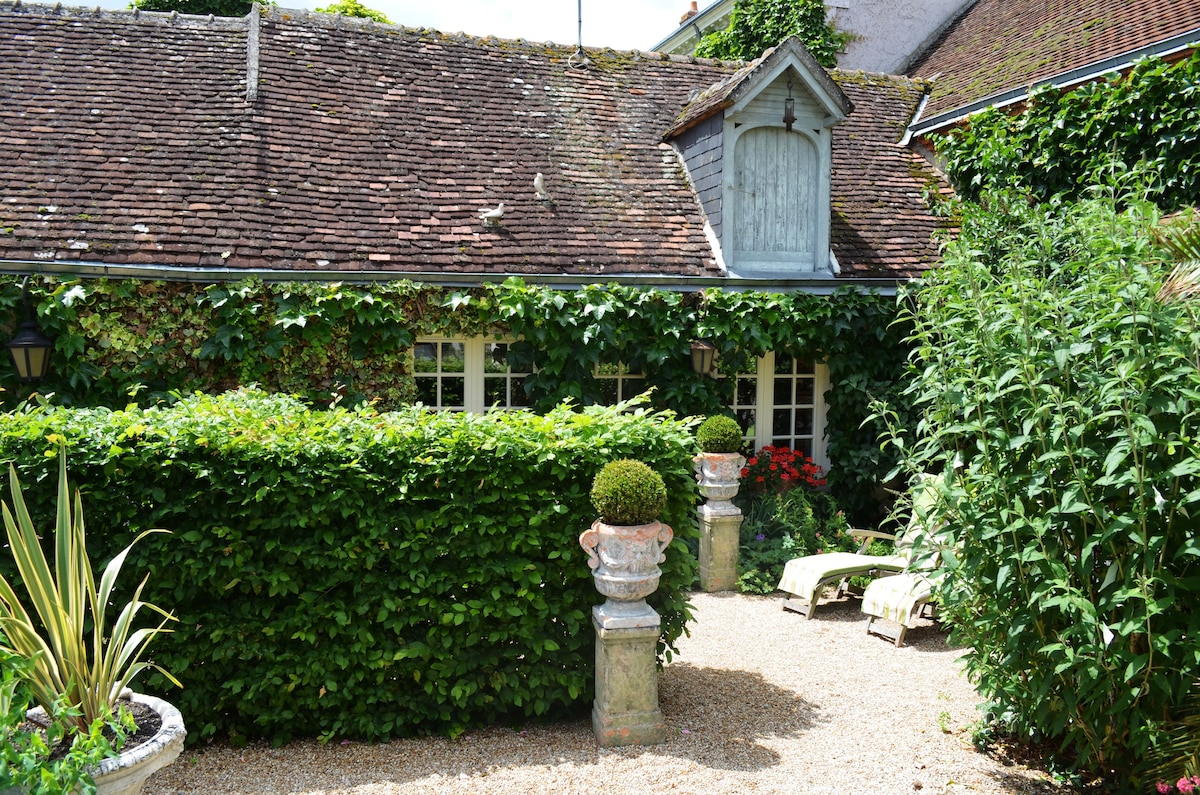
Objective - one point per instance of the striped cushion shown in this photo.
(897, 598)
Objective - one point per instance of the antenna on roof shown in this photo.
(579, 59)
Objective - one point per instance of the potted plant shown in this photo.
(77, 666)
(626, 544)
(720, 462)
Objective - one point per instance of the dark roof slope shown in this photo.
(307, 141)
(997, 45)
(881, 224)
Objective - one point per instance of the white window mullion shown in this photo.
(473, 383)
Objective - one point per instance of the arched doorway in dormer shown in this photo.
(773, 222)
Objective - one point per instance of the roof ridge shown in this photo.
(279, 13)
(96, 12)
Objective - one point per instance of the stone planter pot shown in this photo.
(127, 774)
(624, 562)
(719, 475)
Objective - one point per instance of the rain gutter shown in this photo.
(817, 285)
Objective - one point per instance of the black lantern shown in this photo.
(30, 349)
(703, 354)
(789, 108)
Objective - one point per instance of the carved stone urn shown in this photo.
(624, 562)
(719, 476)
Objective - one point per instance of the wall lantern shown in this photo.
(30, 349)
(789, 108)
(703, 353)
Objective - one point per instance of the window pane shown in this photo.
(804, 391)
(495, 357)
(608, 391)
(632, 387)
(517, 393)
(427, 391)
(783, 392)
(783, 364)
(781, 422)
(804, 422)
(803, 446)
(494, 393)
(745, 418)
(804, 367)
(453, 357)
(607, 369)
(452, 393)
(747, 392)
(425, 357)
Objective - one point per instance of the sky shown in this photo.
(620, 24)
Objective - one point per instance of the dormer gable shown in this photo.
(758, 148)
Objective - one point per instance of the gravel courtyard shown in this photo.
(758, 700)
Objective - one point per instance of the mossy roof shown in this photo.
(299, 141)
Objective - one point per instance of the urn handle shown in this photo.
(590, 539)
(665, 534)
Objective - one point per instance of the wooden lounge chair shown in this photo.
(899, 599)
(805, 578)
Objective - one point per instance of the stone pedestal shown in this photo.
(626, 709)
(720, 519)
(718, 548)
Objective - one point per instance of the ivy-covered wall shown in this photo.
(129, 341)
(1064, 143)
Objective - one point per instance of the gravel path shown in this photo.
(759, 700)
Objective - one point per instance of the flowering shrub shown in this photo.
(779, 469)
(1187, 784)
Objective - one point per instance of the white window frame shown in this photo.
(764, 407)
(474, 357)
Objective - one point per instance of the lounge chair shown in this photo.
(806, 578)
(900, 598)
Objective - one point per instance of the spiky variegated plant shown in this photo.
(1179, 754)
(1184, 279)
(84, 666)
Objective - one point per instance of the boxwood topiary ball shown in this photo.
(719, 434)
(627, 492)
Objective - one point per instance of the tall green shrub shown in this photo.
(361, 574)
(1066, 397)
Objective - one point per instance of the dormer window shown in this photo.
(766, 196)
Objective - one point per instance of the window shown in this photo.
(617, 382)
(466, 375)
(780, 401)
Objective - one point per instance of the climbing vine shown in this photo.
(146, 342)
(757, 25)
(1063, 143)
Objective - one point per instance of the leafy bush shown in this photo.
(1065, 396)
(353, 573)
(757, 25)
(1064, 142)
(628, 492)
(719, 434)
(779, 526)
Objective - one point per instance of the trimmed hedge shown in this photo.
(351, 573)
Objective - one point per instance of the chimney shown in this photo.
(693, 11)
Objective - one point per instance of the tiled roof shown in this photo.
(998, 45)
(341, 145)
(880, 223)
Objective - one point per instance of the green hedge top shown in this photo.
(358, 573)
